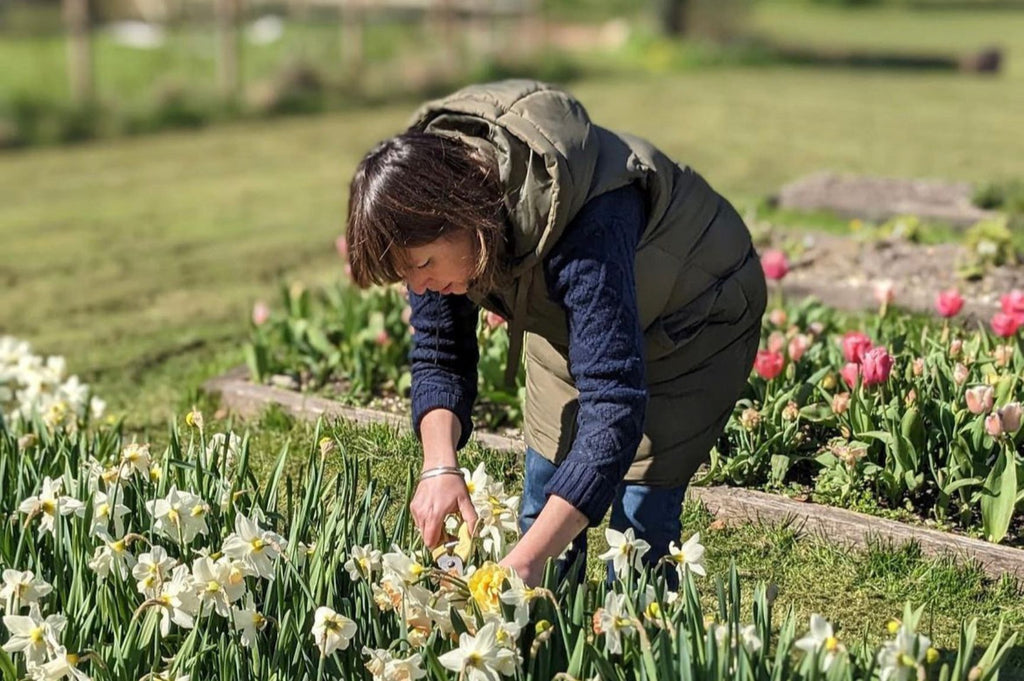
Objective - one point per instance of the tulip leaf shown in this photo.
(999, 496)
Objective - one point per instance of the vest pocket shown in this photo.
(723, 303)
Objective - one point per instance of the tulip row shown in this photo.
(121, 563)
(916, 414)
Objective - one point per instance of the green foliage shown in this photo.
(989, 243)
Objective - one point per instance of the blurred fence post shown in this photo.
(80, 77)
(228, 67)
(353, 13)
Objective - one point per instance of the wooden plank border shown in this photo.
(730, 504)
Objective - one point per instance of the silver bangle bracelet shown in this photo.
(440, 470)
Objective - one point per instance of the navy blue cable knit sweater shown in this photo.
(590, 273)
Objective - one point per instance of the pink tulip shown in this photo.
(1003, 354)
(493, 320)
(850, 372)
(1010, 416)
(778, 317)
(885, 291)
(383, 339)
(980, 399)
(918, 366)
(798, 345)
(960, 373)
(776, 341)
(955, 347)
(774, 264)
(993, 425)
(768, 364)
(841, 402)
(341, 245)
(949, 302)
(1013, 305)
(855, 344)
(260, 313)
(816, 328)
(876, 366)
(1004, 325)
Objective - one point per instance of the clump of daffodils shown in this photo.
(31, 385)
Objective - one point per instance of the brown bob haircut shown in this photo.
(418, 187)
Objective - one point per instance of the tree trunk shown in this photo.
(228, 67)
(80, 77)
(672, 16)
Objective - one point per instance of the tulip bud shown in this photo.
(778, 317)
(383, 339)
(980, 399)
(885, 291)
(876, 366)
(850, 372)
(815, 328)
(768, 364)
(1003, 354)
(774, 264)
(828, 381)
(949, 302)
(260, 313)
(776, 341)
(1010, 415)
(855, 344)
(910, 398)
(960, 373)
(994, 425)
(955, 347)
(798, 346)
(840, 403)
(791, 411)
(918, 366)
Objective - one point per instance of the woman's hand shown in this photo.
(437, 497)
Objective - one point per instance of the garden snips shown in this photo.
(453, 552)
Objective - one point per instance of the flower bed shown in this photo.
(125, 563)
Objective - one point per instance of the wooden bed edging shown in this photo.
(730, 504)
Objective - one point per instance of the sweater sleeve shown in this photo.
(444, 357)
(591, 274)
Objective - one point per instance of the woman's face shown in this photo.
(444, 265)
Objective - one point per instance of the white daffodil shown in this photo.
(135, 459)
(363, 562)
(60, 664)
(613, 620)
(625, 551)
(151, 570)
(480, 657)
(332, 631)
(180, 515)
(497, 518)
(478, 483)
(112, 556)
(226, 447)
(50, 503)
(821, 637)
(519, 596)
(20, 589)
(383, 666)
(748, 637)
(218, 583)
(253, 546)
(178, 600)
(378, 660)
(33, 636)
(689, 556)
(900, 659)
(248, 621)
(407, 569)
(104, 511)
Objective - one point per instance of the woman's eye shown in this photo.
(425, 263)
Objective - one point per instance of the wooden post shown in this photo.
(228, 66)
(80, 77)
(353, 14)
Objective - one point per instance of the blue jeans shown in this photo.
(654, 513)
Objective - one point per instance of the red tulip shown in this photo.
(1005, 325)
(855, 344)
(768, 364)
(1013, 305)
(774, 264)
(850, 372)
(876, 365)
(949, 302)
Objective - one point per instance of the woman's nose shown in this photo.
(416, 283)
